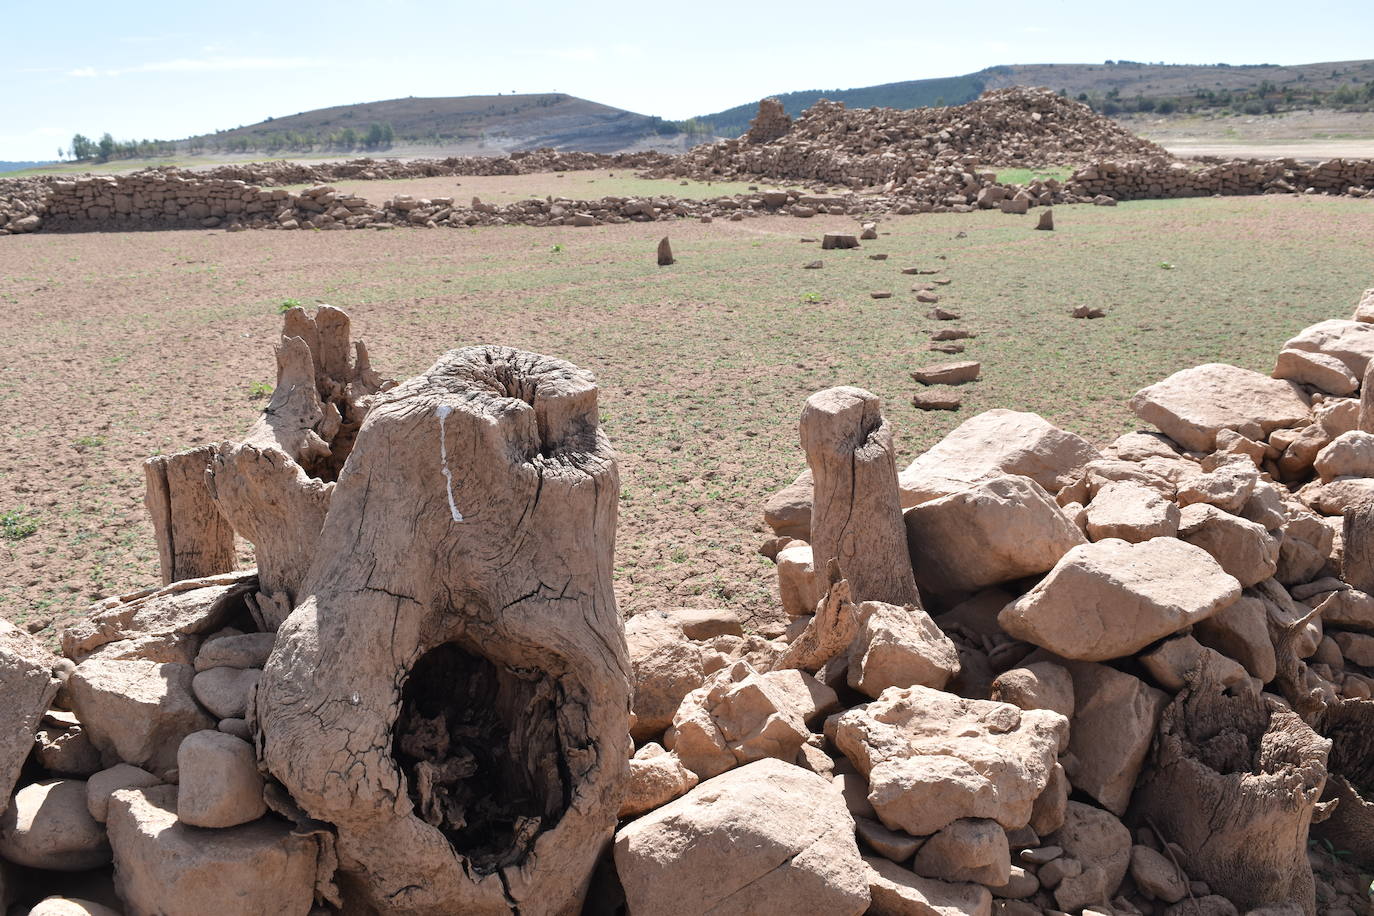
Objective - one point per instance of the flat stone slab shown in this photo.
(1112, 598)
(1193, 405)
(953, 373)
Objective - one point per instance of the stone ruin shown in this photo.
(1022, 674)
(884, 161)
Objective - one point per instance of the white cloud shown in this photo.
(216, 64)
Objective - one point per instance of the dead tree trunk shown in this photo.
(193, 539)
(274, 486)
(452, 688)
(1357, 567)
(856, 514)
(1366, 416)
(1252, 772)
(1350, 828)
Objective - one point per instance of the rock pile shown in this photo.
(876, 146)
(1022, 675)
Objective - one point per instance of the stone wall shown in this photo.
(1142, 179)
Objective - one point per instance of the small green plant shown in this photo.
(678, 555)
(89, 442)
(15, 525)
(557, 249)
(1165, 265)
(811, 298)
(287, 305)
(259, 390)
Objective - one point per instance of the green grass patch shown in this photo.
(15, 525)
(1026, 176)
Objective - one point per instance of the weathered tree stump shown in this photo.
(452, 689)
(1357, 532)
(1366, 417)
(274, 486)
(1251, 773)
(665, 253)
(193, 539)
(856, 515)
(1350, 828)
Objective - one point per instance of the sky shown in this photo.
(162, 70)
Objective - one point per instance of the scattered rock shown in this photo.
(936, 400)
(137, 711)
(970, 849)
(899, 892)
(1114, 721)
(1087, 311)
(102, 785)
(656, 778)
(1193, 405)
(899, 647)
(224, 691)
(948, 373)
(833, 240)
(665, 668)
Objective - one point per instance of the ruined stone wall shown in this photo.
(1144, 179)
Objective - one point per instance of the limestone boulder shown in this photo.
(1175, 663)
(225, 691)
(766, 838)
(1114, 721)
(1130, 512)
(1243, 549)
(788, 511)
(28, 685)
(1156, 875)
(808, 698)
(1320, 370)
(970, 849)
(1241, 631)
(797, 583)
(1350, 609)
(666, 667)
(1193, 405)
(932, 758)
(992, 444)
(1351, 342)
(656, 777)
(899, 647)
(170, 615)
(1096, 840)
(66, 750)
(218, 781)
(1364, 311)
(102, 785)
(137, 711)
(899, 892)
(48, 826)
(244, 650)
(163, 866)
(1227, 486)
(1004, 528)
(1113, 598)
(736, 717)
(1350, 454)
(1039, 685)
(71, 906)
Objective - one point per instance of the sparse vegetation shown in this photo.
(259, 390)
(15, 525)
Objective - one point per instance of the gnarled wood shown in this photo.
(274, 486)
(1357, 532)
(193, 539)
(856, 515)
(1350, 828)
(1366, 417)
(452, 689)
(830, 630)
(1234, 781)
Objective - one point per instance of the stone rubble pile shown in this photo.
(1023, 675)
(889, 146)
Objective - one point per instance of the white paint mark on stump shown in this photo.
(443, 411)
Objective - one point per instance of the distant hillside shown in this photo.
(504, 122)
(1111, 87)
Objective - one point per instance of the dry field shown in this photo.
(122, 345)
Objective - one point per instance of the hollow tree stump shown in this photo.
(193, 539)
(452, 689)
(274, 486)
(1357, 532)
(1252, 772)
(1350, 828)
(856, 514)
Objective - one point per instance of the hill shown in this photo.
(501, 122)
(1111, 87)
